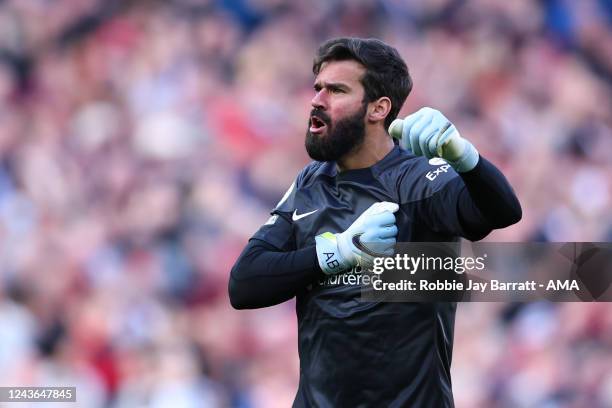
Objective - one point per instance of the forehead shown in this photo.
(349, 72)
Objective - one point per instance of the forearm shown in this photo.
(264, 276)
(489, 201)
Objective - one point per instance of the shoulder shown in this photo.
(416, 177)
(304, 179)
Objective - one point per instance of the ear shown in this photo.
(379, 109)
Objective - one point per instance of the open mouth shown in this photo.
(316, 125)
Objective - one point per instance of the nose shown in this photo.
(318, 101)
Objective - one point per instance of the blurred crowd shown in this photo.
(143, 142)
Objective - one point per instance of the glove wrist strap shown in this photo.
(467, 161)
(330, 260)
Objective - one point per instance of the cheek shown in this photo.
(343, 110)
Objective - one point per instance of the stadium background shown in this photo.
(143, 142)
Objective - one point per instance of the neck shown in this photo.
(376, 145)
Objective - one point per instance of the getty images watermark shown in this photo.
(492, 272)
(37, 394)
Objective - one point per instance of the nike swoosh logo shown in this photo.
(359, 245)
(296, 217)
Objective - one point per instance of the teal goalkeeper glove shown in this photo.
(371, 235)
(428, 133)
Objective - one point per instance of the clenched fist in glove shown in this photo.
(371, 235)
(429, 133)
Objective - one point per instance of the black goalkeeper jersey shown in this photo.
(375, 354)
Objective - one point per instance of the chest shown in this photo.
(332, 208)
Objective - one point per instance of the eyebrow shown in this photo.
(331, 85)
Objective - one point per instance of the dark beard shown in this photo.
(342, 138)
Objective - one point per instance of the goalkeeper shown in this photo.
(364, 191)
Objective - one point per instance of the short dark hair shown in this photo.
(386, 72)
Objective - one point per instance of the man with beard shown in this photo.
(363, 191)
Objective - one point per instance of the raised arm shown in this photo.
(471, 205)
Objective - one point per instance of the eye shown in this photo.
(335, 90)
